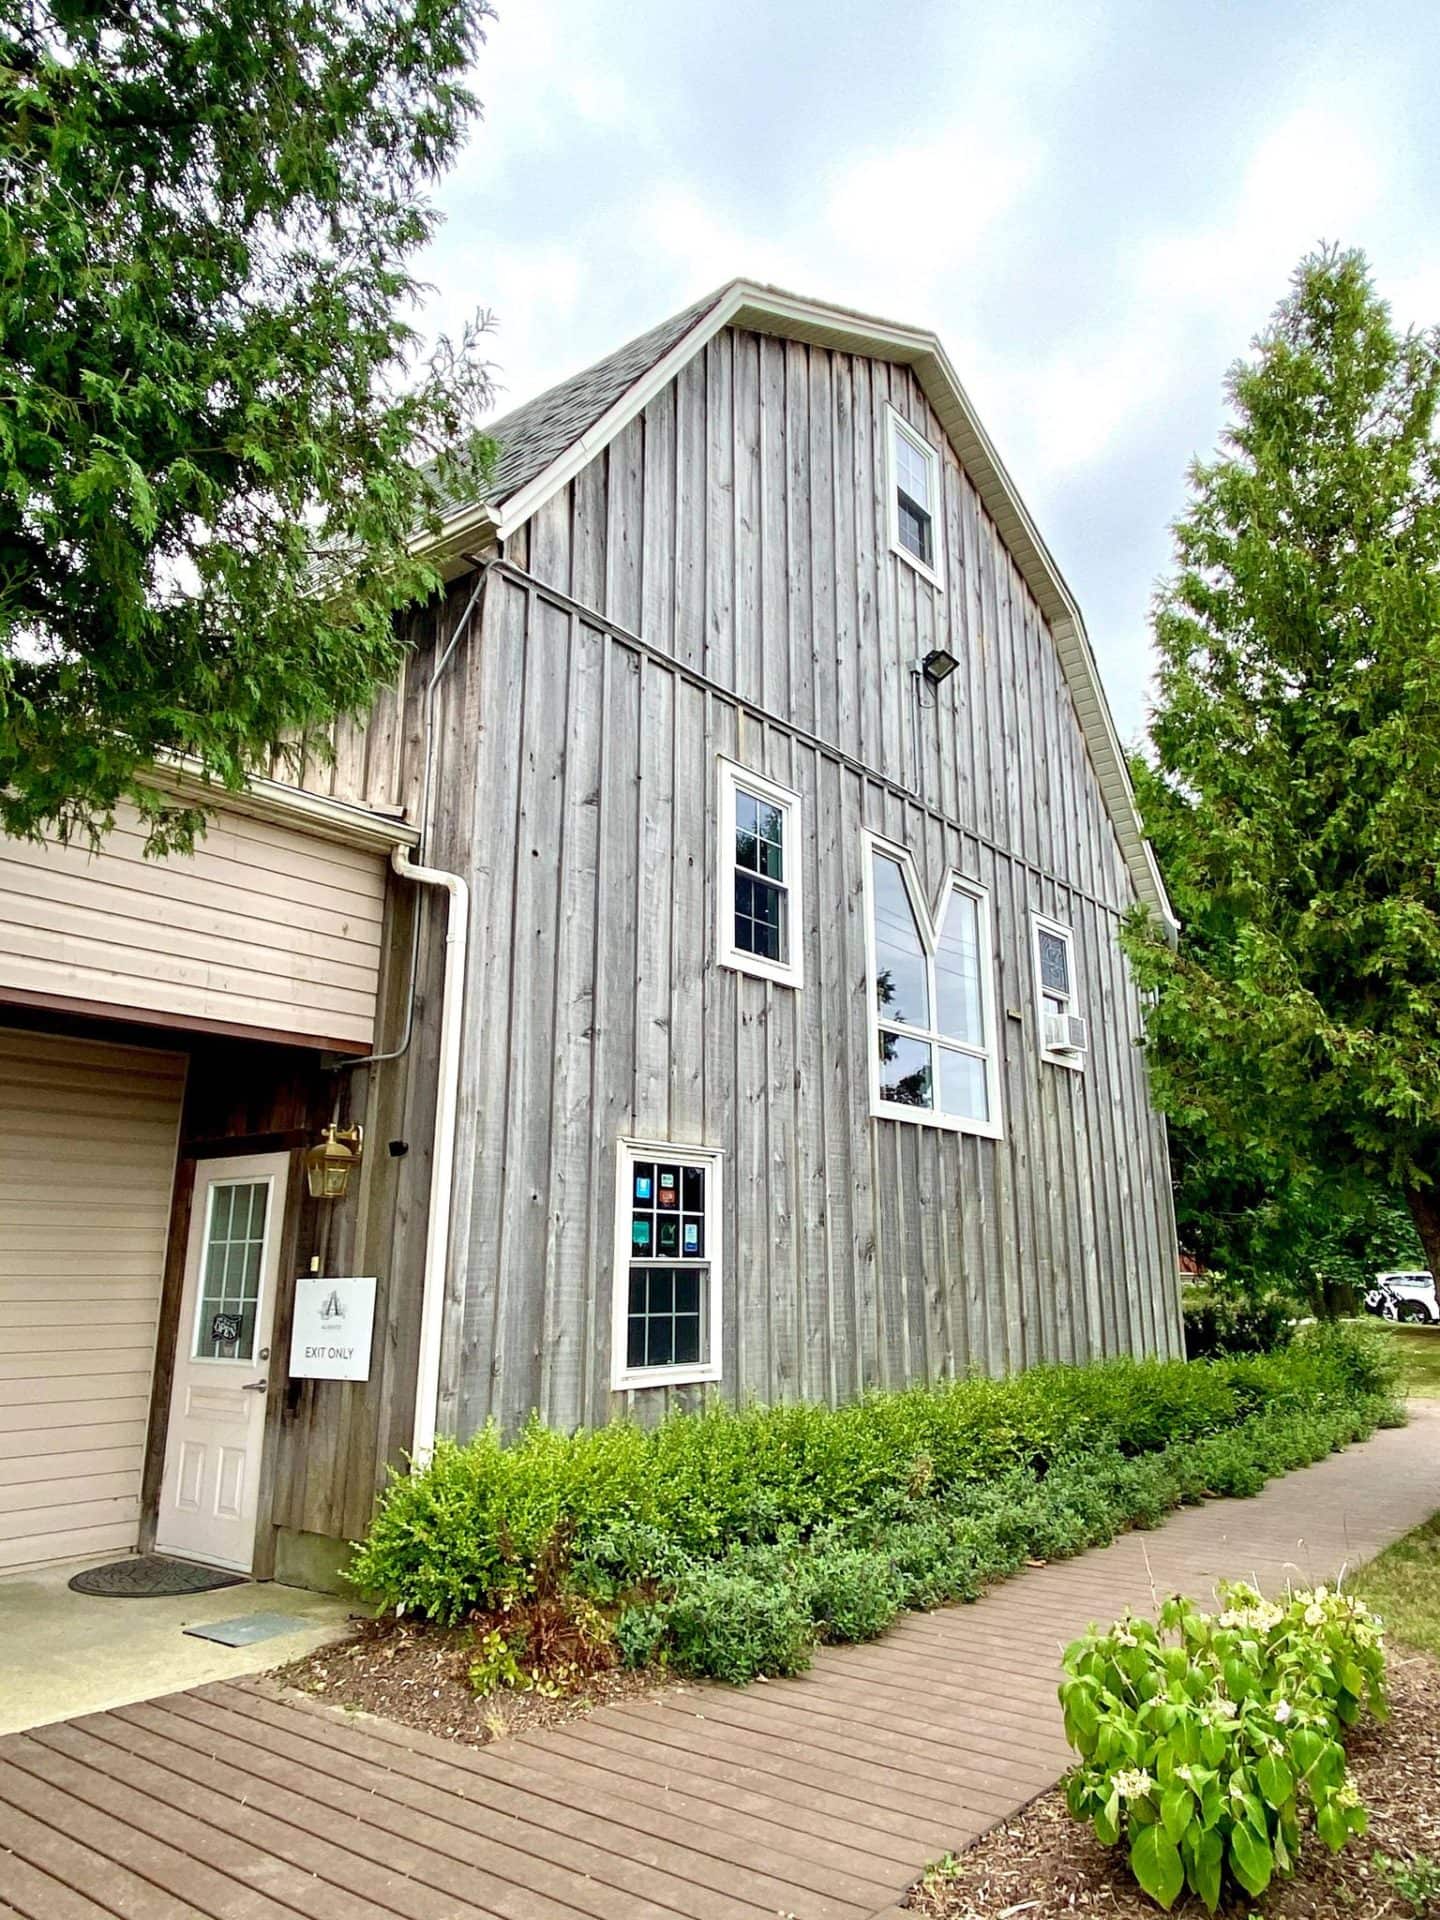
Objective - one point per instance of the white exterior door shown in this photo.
(211, 1484)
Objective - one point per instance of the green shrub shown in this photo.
(1221, 1318)
(727, 1624)
(954, 1486)
(1202, 1740)
(849, 1593)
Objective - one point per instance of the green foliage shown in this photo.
(1222, 1316)
(639, 1506)
(725, 1544)
(216, 438)
(1294, 776)
(724, 1623)
(1417, 1881)
(850, 1593)
(1403, 1584)
(1201, 1740)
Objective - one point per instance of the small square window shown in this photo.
(915, 498)
(667, 1288)
(758, 876)
(1064, 1036)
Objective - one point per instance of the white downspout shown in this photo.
(442, 1153)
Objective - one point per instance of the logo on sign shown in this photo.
(224, 1326)
(332, 1311)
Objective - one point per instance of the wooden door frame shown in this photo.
(168, 1336)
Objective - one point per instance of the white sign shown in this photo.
(330, 1334)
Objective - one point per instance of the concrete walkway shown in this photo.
(820, 1797)
(64, 1653)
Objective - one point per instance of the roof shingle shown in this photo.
(532, 436)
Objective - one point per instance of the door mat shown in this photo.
(249, 1628)
(150, 1576)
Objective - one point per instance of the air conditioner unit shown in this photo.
(1065, 1033)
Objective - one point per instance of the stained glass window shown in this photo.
(1054, 951)
(667, 1307)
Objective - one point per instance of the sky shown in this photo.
(1096, 207)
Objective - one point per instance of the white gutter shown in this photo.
(442, 1152)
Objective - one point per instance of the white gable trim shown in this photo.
(761, 309)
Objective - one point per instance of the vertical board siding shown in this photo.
(858, 1252)
(739, 527)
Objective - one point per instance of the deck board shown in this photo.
(820, 1797)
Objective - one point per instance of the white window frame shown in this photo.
(896, 422)
(712, 1159)
(1042, 923)
(731, 776)
(932, 924)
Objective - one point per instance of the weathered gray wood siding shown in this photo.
(731, 547)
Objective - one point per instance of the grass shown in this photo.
(1403, 1586)
(1420, 1356)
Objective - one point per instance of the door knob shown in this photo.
(254, 1386)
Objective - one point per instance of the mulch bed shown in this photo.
(419, 1675)
(1043, 1865)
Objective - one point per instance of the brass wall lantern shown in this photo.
(330, 1162)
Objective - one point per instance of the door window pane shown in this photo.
(231, 1266)
(906, 1078)
(902, 992)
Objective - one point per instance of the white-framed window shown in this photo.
(916, 512)
(668, 1265)
(1064, 1037)
(933, 1038)
(759, 919)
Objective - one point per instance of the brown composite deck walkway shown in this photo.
(819, 1797)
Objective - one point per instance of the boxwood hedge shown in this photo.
(711, 1533)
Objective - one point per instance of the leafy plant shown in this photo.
(730, 1625)
(1044, 1463)
(1416, 1880)
(1203, 1738)
(545, 1644)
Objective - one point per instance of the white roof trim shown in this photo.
(273, 800)
(762, 309)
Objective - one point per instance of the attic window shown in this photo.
(915, 499)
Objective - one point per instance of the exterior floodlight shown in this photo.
(938, 665)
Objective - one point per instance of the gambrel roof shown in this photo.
(545, 443)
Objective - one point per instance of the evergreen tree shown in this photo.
(217, 438)
(1296, 742)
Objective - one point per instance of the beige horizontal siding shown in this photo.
(265, 926)
(87, 1154)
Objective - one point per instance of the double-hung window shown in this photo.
(933, 1037)
(915, 500)
(1063, 1034)
(667, 1265)
(760, 928)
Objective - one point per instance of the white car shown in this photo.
(1412, 1294)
